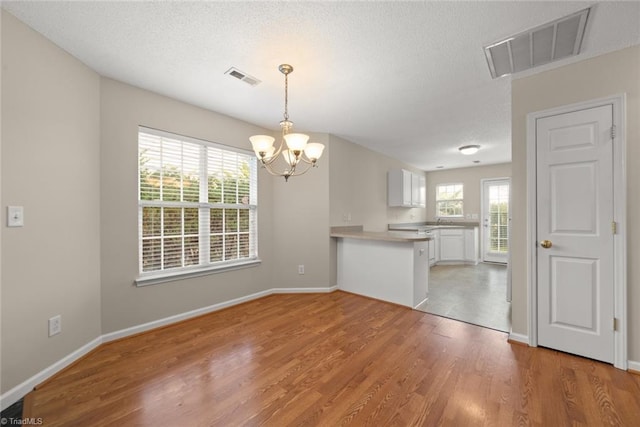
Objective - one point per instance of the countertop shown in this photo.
(387, 236)
(431, 225)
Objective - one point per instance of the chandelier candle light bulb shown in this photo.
(298, 150)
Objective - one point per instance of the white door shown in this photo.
(495, 220)
(575, 237)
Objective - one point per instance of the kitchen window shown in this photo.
(449, 200)
(197, 207)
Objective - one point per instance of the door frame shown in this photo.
(620, 359)
(482, 208)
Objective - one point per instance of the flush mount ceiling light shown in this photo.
(298, 151)
(469, 149)
(549, 42)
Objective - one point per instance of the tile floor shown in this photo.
(471, 293)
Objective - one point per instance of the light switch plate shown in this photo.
(15, 216)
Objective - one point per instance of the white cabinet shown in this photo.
(452, 245)
(434, 248)
(432, 252)
(406, 189)
(457, 245)
(471, 245)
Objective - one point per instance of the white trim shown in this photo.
(633, 365)
(189, 272)
(172, 135)
(518, 338)
(303, 290)
(19, 391)
(420, 305)
(619, 103)
(122, 333)
(10, 397)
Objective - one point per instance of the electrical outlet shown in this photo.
(15, 216)
(301, 269)
(55, 325)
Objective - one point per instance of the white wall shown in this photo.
(51, 167)
(123, 108)
(471, 178)
(610, 74)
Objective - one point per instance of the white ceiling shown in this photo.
(407, 79)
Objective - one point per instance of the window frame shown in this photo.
(439, 202)
(204, 266)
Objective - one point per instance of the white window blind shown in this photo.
(197, 204)
(449, 200)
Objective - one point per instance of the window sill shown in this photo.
(155, 278)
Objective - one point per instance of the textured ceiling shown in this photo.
(408, 79)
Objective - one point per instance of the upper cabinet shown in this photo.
(406, 189)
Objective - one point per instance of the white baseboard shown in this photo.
(524, 339)
(111, 336)
(633, 366)
(18, 392)
(303, 290)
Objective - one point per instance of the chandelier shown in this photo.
(298, 156)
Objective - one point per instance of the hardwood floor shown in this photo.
(331, 360)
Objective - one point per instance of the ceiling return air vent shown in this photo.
(547, 43)
(234, 72)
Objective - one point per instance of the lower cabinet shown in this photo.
(456, 245)
(432, 250)
(452, 244)
(471, 245)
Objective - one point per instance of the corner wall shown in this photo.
(123, 108)
(51, 167)
(358, 188)
(301, 224)
(602, 76)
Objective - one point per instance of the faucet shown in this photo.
(438, 221)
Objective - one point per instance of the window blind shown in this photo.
(197, 203)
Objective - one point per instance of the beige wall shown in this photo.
(358, 187)
(124, 305)
(301, 225)
(471, 178)
(71, 137)
(51, 166)
(611, 74)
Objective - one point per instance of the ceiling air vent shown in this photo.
(547, 43)
(234, 72)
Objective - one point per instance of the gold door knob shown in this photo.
(546, 244)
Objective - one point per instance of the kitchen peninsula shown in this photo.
(391, 266)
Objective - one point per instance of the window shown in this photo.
(449, 200)
(499, 218)
(197, 206)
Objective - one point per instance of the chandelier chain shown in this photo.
(286, 97)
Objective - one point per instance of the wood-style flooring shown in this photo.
(332, 360)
